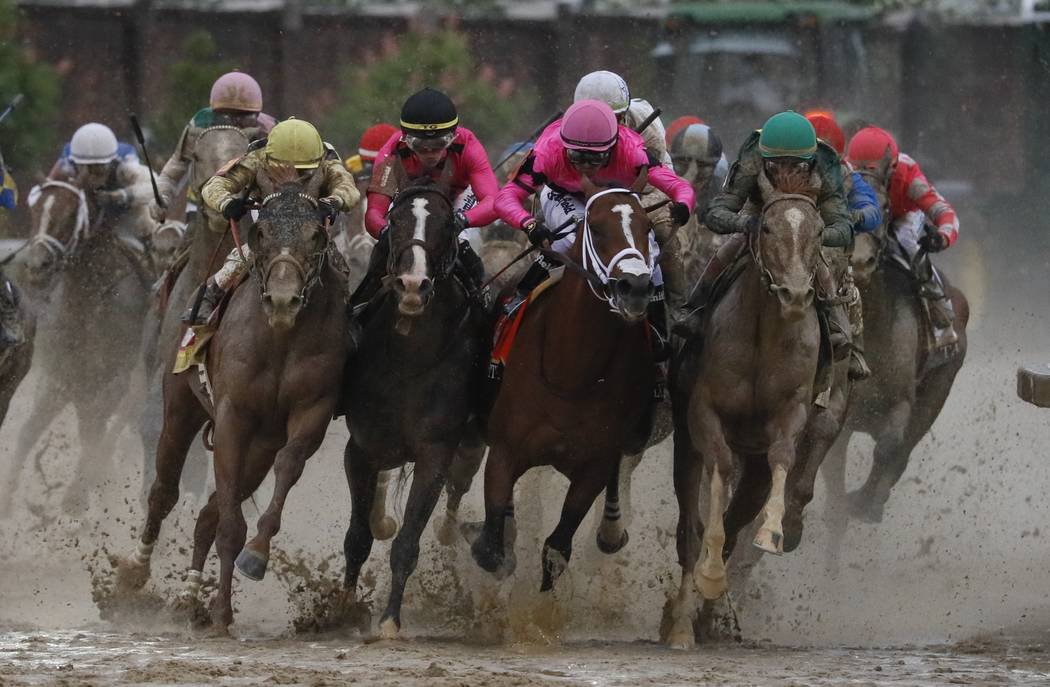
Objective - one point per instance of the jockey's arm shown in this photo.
(864, 209)
(510, 201)
(838, 229)
(925, 197)
(133, 177)
(723, 212)
(674, 187)
(173, 175)
(483, 183)
(230, 181)
(339, 183)
(654, 135)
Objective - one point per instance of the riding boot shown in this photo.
(837, 317)
(688, 320)
(858, 366)
(208, 301)
(471, 271)
(942, 314)
(537, 273)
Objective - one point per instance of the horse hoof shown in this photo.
(508, 566)
(389, 629)
(445, 529)
(384, 529)
(769, 541)
(131, 575)
(554, 565)
(711, 588)
(607, 548)
(792, 536)
(682, 640)
(251, 564)
(485, 557)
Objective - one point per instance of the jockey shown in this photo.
(431, 144)
(786, 143)
(611, 89)
(374, 137)
(860, 197)
(914, 204)
(698, 158)
(587, 141)
(236, 100)
(294, 143)
(109, 172)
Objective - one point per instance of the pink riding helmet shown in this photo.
(589, 125)
(236, 91)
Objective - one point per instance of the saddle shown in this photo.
(194, 345)
(921, 272)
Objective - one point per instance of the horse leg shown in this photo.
(890, 458)
(586, 483)
(836, 516)
(232, 435)
(383, 526)
(748, 498)
(47, 403)
(427, 482)
(361, 476)
(98, 433)
(306, 429)
(612, 536)
(489, 548)
(784, 431)
(183, 418)
(688, 468)
(706, 427)
(465, 464)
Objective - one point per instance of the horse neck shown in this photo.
(208, 248)
(438, 321)
(581, 335)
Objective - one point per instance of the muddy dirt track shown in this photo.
(952, 588)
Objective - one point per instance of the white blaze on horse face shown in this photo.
(794, 217)
(45, 214)
(419, 256)
(629, 265)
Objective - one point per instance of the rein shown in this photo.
(309, 275)
(754, 242)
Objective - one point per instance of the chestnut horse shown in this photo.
(742, 397)
(578, 380)
(411, 383)
(275, 366)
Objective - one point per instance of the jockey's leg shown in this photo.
(675, 286)
(469, 267)
(231, 272)
(908, 229)
(688, 321)
(556, 209)
(858, 365)
(369, 286)
(838, 319)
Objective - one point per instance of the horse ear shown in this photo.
(815, 182)
(764, 185)
(588, 187)
(641, 181)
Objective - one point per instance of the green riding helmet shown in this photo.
(788, 134)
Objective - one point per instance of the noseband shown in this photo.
(594, 266)
(446, 266)
(754, 242)
(309, 275)
(81, 229)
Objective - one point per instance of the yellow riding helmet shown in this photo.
(295, 142)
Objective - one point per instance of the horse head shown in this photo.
(166, 243)
(614, 246)
(215, 146)
(423, 243)
(60, 221)
(786, 247)
(868, 247)
(289, 245)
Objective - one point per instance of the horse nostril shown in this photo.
(623, 287)
(810, 293)
(295, 301)
(425, 287)
(399, 285)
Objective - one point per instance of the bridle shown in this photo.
(445, 267)
(309, 274)
(82, 228)
(754, 242)
(594, 266)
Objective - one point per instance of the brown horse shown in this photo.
(410, 384)
(90, 295)
(579, 379)
(900, 402)
(207, 241)
(275, 368)
(742, 397)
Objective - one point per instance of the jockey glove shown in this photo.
(752, 223)
(933, 242)
(679, 213)
(460, 220)
(234, 208)
(329, 207)
(119, 198)
(538, 233)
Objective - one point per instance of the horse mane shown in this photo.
(796, 181)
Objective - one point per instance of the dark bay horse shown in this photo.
(579, 378)
(275, 368)
(905, 394)
(93, 301)
(410, 384)
(207, 242)
(16, 347)
(742, 397)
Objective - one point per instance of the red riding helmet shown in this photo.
(827, 130)
(679, 124)
(870, 146)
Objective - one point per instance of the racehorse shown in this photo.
(16, 344)
(410, 384)
(579, 378)
(92, 306)
(275, 368)
(905, 394)
(207, 242)
(742, 396)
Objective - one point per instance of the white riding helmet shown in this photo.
(93, 144)
(607, 87)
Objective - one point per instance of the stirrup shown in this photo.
(858, 366)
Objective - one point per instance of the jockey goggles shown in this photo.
(589, 157)
(419, 144)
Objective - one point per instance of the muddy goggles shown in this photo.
(683, 163)
(589, 157)
(419, 144)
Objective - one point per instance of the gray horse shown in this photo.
(91, 314)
